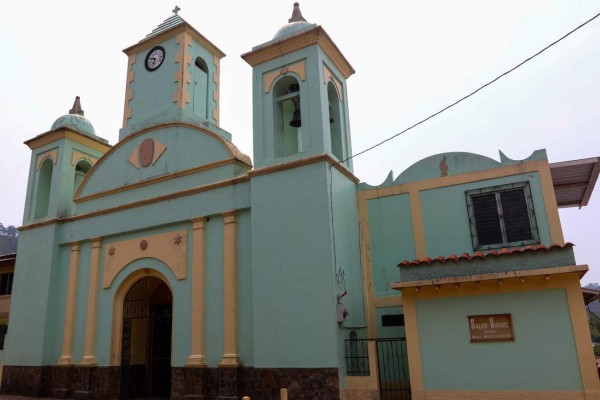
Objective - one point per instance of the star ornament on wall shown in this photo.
(111, 251)
(178, 240)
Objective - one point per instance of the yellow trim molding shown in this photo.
(389, 301)
(316, 36)
(182, 76)
(66, 133)
(501, 395)
(216, 93)
(77, 156)
(234, 152)
(302, 162)
(67, 352)
(370, 382)
(366, 266)
(228, 182)
(583, 340)
(89, 354)
(230, 357)
(128, 89)
(197, 357)
(169, 248)
(328, 76)
(567, 279)
(411, 330)
(117, 320)
(298, 68)
(152, 181)
(417, 223)
(497, 276)
(51, 154)
(413, 189)
(176, 30)
(541, 167)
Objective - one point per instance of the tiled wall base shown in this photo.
(82, 383)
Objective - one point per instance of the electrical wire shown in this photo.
(473, 92)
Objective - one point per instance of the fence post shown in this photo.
(373, 363)
(283, 394)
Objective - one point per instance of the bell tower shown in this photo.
(172, 76)
(300, 95)
(60, 160)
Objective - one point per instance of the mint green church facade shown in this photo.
(173, 265)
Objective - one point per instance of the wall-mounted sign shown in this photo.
(491, 328)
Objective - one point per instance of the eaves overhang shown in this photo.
(305, 38)
(574, 181)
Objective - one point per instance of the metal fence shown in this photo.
(357, 357)
(394, 380)
(392, 363)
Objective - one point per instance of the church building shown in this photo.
(170, 264)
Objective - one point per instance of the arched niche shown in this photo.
(200, 90)
(81, 170)
(287, 117)
(335, 121)
(44, 182)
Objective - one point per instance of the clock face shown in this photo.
(154, 58)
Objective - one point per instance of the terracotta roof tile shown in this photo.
(481, 255)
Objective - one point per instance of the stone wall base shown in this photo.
(83, 383)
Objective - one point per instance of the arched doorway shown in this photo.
(146, 339)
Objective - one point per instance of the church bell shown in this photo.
(296, 121)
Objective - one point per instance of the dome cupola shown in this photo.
(75, 120)
(295, 24)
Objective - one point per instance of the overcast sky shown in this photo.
(411, 58)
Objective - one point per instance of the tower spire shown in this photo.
(76, 107)
(297, 14)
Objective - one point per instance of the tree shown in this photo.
(9, 236)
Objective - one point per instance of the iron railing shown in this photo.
(357, 357)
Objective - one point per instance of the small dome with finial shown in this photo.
(75, 120)
(295, 24)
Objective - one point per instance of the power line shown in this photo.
(473, 92)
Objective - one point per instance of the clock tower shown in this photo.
(172, 76)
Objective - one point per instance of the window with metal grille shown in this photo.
(502, 216)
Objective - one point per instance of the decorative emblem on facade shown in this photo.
(111, 251)
(146, 153)
(298, 68)
(444, 167)
(143, 245)
(178, 239)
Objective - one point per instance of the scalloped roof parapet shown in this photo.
(456, 163)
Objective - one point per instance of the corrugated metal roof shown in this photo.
(481, 255)
(574, 181)
(8, 256)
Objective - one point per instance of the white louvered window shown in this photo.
(502, 216)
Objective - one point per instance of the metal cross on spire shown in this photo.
(176, 10)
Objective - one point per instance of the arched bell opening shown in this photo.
(287, 117)
(200, 102)
(42, 195)
(81, 170)
(146, 339)
(335, 122)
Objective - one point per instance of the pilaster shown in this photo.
(67, 352)
(230, 357)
